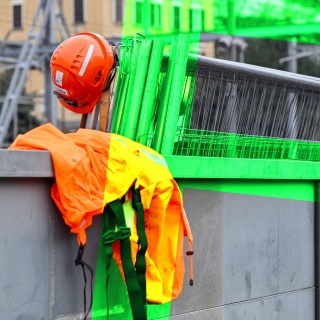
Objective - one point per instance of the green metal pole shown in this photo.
(126, 112)
(121, 87)
(135, 92)
(175, 97)
(149, 97)
(189, 101)
(119, 105)
(189, 90)
(231, 23)
(164, 94)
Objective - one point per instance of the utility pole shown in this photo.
(292, 67)
(292, 51)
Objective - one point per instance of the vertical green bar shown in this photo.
(189, 91)
(231, 22)
(122, 83)
(116, 118)
(135, 91)
(116, 101)
(165, 92)
(175, 97)
(149, 96)
(132, 72)
(188, 111)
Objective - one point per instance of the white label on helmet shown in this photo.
(59, 76)
(86, 60)
(61, 90)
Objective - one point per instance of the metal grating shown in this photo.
(229, 109)
(238, 98)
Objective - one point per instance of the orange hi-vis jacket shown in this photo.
(93, 168)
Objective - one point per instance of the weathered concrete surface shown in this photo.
(246, 248)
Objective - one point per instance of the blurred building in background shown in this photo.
(104, 17)
(113, 19)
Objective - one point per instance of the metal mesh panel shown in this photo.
(227, 145)
(255, 101)
(229, 109)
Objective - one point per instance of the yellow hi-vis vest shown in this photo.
(94, 168)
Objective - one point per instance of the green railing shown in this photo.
(171, 102)
(228, 145)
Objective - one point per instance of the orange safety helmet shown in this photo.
(80, 67)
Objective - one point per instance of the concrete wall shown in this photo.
(38, 277)
(254, 258)
(254, 255)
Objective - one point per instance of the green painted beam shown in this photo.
(279, 31)
(302, 190)
(175, 95)
(122, 84)
(283, 31)
(204, 167)
(150, 91)
(231, 21)
(194, 37)
(165, 94)
(136, 90)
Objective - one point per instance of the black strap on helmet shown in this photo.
(69, 102)
(113, 70)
